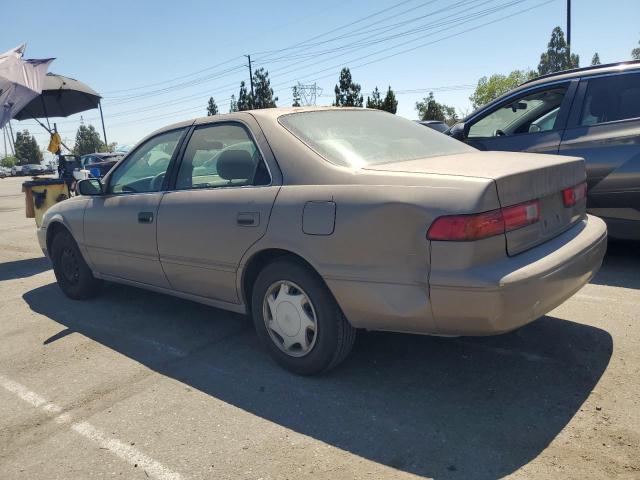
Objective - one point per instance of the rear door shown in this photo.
(220, 206)
(120, 226)
(604, 129)
(530, 121)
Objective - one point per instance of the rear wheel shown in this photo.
(72, 273)
(298, 320)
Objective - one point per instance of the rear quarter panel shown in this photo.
(376, 260)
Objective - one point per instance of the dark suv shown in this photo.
(591, 112)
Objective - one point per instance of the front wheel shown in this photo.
(72, 273)
(298, 320)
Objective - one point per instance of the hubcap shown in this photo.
(70, 266)
(290, 318)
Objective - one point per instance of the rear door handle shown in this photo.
(145, 217)
(248, 219)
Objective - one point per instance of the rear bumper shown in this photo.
(517, 290)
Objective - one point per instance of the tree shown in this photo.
(429, 109)
(296, 97)
(375, 101)
(635, 53)
(88, 141)
(233, 105)
(8, 162)
(595, 60)
(27, 150)
(347, 92)
(262, 90)
(244, 99)
(212, 108)
(557, 57)
(491, 88)
(390, 104)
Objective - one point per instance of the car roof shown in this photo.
(265, 113)
(585, 71)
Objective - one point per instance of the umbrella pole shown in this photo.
(50, 132)
(104, 132)
(13, 141)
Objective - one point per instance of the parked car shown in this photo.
(16, 171)
(321, 221)
(33, 169)
(591, 112)
(99, 164)
(437, 125)
(3, 172)
(93, 158)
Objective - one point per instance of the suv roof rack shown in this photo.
(583, 69)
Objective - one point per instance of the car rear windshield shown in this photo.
(357, 138)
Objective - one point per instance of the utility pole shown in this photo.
(250, 79)
(569, 29)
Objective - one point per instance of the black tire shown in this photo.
(335, 335)
(72, 273)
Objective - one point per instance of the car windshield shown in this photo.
(357, 138)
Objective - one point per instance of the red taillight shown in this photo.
(521, 215)
(573, 195)
(467, 227)
(483, 225)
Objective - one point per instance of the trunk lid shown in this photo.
(519, 177)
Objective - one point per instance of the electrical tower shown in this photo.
(309, 93)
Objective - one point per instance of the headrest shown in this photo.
(600, 104)
(236, 165)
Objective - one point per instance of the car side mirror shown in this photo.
(459, 131)
(533, 128)
(89, 187)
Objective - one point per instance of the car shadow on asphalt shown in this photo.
(445, 408)
(621, 266)
(23, 268)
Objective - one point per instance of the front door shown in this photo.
(120, 226)
(530, 122)
(220, 206)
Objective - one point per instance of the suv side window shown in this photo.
(531, 113)
(612, 98)
(221, 155)
(144, 170)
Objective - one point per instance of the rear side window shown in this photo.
(609, 99)
(221, 155)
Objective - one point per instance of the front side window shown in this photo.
(222, 155)
(609, 99)
(532, 113)
(144, 170)
(358, 138)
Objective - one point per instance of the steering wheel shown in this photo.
(156, 182)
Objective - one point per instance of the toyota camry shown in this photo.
(321, 221)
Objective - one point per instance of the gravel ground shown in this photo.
(136, 385)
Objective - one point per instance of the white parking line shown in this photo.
(123, 451)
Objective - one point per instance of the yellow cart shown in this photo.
(42, 193)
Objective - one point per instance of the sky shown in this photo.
(157, 63)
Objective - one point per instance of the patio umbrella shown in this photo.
(20, 82)
(61, 96)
